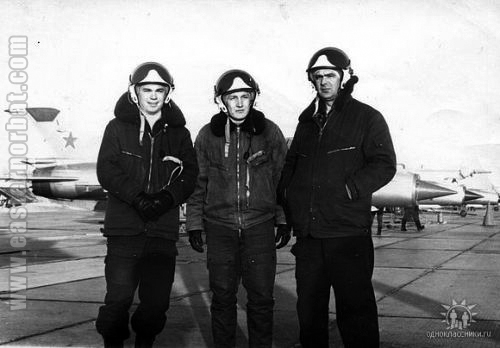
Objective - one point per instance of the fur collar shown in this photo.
(127, 111)
(254, 124)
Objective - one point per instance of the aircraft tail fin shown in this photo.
(45, 121)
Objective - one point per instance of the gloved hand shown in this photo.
(283, 235)
(195, 240)
(143, 203)
(162, 202)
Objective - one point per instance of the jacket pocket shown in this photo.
(341, 162)
(132, 163)
(345, 212)
(218, 186)
(261, 190)
(349, 148)
(128, 153)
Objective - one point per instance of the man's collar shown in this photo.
(254, 123)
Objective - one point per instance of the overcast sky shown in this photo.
(430, 67)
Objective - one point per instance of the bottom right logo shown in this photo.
(458, 315)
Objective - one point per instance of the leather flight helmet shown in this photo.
(235, 80)
(150, 72)
(328, 58)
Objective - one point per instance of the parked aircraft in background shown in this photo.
(469, 191)
(67, 181)
(448, 175)
(461, 197)
(406, 189)
(69, 178)
(65, 175)
(487, 197)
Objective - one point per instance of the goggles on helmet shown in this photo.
(235, 81)
(330, 58)
(151, 72)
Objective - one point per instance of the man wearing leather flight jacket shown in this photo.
(341, 153)
(240, 155)
(148, 166)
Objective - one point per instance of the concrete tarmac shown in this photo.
(435, 288)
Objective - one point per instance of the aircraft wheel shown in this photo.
(463, 213)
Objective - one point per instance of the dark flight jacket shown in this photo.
(125, 168)
(230, 190)
(353, 152)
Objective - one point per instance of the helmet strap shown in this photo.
(133, 94)
(220, 104)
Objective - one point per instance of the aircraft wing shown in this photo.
(47, 179)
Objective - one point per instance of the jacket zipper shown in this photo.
(150, 162)
(314, 165)
(152, 137)
(238, 177)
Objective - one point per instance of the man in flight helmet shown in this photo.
(240, 155)
(341, 153)
(147, 163)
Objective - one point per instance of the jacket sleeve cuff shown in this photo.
(194, 225)
(176, 201)
(279, 218)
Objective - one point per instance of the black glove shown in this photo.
(195, 240)
(162, 202)
(283, 235)
(143, 203)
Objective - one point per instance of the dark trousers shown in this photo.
(346, 264)
(250, 256)
(131, 262)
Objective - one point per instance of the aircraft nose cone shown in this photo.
(427, 190)
(470, 196)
